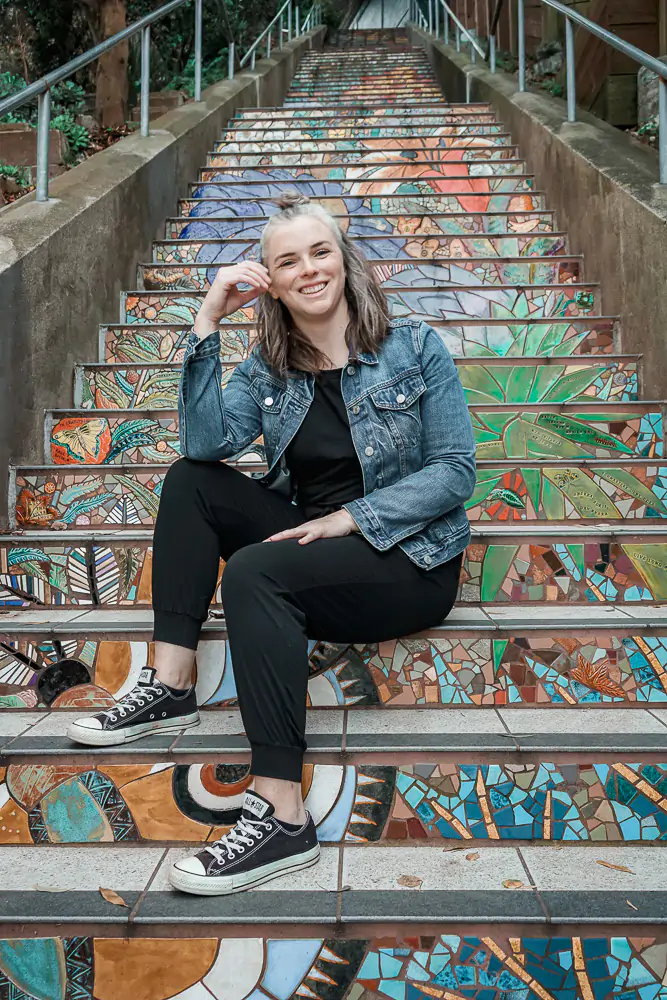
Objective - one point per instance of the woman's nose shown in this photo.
(308, 266)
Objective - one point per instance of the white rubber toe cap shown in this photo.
(93, 724)
(189, 866)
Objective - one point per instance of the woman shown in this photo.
(355, 535)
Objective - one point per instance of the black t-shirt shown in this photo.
(320, 457)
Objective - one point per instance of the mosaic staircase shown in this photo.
(487, 792)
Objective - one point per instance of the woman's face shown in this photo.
(306, 268)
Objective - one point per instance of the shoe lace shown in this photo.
(245, 833)
(136, 698)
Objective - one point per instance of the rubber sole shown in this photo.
(111, 738)
(226, 885)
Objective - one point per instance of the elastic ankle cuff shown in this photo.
(177, 629)
(285, 763)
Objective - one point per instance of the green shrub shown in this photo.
(18, 174)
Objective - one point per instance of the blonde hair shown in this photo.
(283, 346)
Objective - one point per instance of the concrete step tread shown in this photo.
(498, 533)
(487, 620)
(604, 732)
(351, 884)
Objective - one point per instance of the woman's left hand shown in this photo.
(332, 526)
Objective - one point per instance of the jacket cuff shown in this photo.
(202, 347)
(369, 526)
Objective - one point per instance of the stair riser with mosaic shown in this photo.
(382, 206)
(419, 301)
(166, 802)
(322, 133)
(472, 338)
(575, 664)
(465, 152)
(382, 248)
(391, 272)
(393, 172)
(253, 188)
(491, 958)
(68, 571)
(338, 111)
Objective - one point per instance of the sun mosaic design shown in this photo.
(444, 966)
(132, 803)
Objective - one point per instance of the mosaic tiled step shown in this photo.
(550, 655)
(547, 270)
(389, 967)
(389, 171)
(415, 93)
(214, 202)
(431, 248)
(301, 132)
(249, 187)
(463, 152)
(429, 143)
(141, 386)
(513, 222)
(418, 302)
(334, 119)
(505, 891)
(542, 430)
(509, 491)
(539, 337)
(361, 108)
(56, 794)
(575, 564)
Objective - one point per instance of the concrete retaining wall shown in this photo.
(603, 186)
(63, 263)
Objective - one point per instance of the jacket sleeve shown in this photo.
(391, 513)
(213, 424)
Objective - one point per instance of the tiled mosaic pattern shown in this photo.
(424, 224)
(184, 252)
(147, 387)
(498, 338)
(125, 803)
(213, 203)
(327, 120)
(523, 669)
(64, 499)
(539, 271)
(416, 302)
(301, 132)
(474, 151)
(61, 572)
(538, 431)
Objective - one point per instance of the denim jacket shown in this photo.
(408, 418)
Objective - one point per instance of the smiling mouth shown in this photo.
(314, 289)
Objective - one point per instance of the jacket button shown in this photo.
(268, 401)
(351, 370)
(400, 398)
(355, 410)
(369, 451)
(427, 560)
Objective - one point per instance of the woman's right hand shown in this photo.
(224, 297)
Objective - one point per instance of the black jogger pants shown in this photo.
(277, 595)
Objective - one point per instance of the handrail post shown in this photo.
(198, 47)
(468, 88)
(492, 53)
(662, 125)
(437, 18)
(297, 21)
(252, 59)
(280, 36)
(571, 71)
(521, 30)
(43, 135)
(289, 22)
(430, 17)
(473, 53)
(382, 15)
(458, 38)
(445, 13)
(230, 61)
(268, 45)
(145, 77)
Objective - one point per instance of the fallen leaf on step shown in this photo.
(113, 897)
(512, 883)
(631, 905)
(410, 881)
(616, 868)
(473, 857)
(48, 888)
(456, 847)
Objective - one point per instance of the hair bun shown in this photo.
(290, 199)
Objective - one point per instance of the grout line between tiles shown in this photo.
(144, 891)
(651, 712)
(339, 883)
(533, 884)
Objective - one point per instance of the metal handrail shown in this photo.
(42, 88)
(572, 18)
(291, 12)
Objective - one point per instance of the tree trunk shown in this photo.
(112, 85)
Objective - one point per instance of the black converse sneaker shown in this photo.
(258, 849)
(150, 707)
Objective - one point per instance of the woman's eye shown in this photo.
(320, 252)
(287, 263)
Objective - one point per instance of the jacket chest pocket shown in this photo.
(397, 406)
(271, 398)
